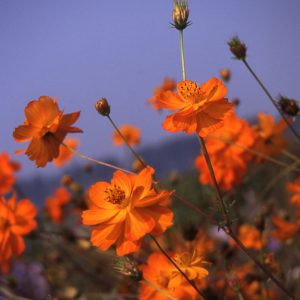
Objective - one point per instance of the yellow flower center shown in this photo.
(115, 195)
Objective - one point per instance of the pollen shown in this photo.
(114, 195)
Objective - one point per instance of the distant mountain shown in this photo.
(176, 154)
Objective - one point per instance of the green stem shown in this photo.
(271, 99)
(182, 55)
(101, 163)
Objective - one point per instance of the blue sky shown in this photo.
(80, 51)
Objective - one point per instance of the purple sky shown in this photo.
(80, 51)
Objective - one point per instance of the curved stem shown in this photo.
(271, 99)
(101, 163)
(191, 282)
(126, 142)
(277, 178)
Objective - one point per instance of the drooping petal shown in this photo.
(98, 216)
(103, 236)
(24, 133)
(125, 247)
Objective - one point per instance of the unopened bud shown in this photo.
(288, 106)
(66, 180)
(225, 74)
(237, 48)
(102, 107)
(236, 101)
(128, 267)
(189, 233)
(180, 14)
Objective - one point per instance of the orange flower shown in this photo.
(65, 155)
(161, 273)
(126, 210)
(229, 170)
(269, 136)
(295, 189)
(202, 109)
(16, 220)
(131, 133)
(45, 127)
(167, 86)
(229, 161)
(251, 237)
(54, 205)
(284, 230)
(7, 169)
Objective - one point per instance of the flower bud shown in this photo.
(102, 107)
(189, 233)
(128, 267)
(237, 48)
(288, 106)
(236, 101)
(225, 74)
(180, 14)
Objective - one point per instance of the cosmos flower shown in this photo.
(160, 272)
(125, 210)
(201, 109)
(7, 170)
(269, 138)
(131, 133)
(16, 220)
(55, 204)
(45, 127)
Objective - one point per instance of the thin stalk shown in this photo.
(291, 155)
(182, 55)
(271, 99)
(101, 163)
(191, 282)
(213, 177)
(161, 291)
(275, 179)
(126, 142)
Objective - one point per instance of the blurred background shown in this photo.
(80, 51)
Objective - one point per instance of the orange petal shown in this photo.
(97, 216)
(103, 236)
(214, 89)
(125, 247)
(25, 132)
(138, 223)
